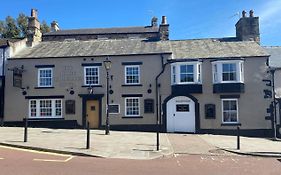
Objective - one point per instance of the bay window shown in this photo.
(228, 71)
(186, 73)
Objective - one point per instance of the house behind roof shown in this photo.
(275, 67)
(203, 85)
(8, 47)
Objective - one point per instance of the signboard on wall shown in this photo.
(17, 78)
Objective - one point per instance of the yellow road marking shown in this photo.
(54, 160)
(35, 151)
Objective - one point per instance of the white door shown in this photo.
(181, 115)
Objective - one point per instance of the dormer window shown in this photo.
(186, 73)
(228, 71)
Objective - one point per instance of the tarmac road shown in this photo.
(15, 161)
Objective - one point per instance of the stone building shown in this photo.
(199, 86)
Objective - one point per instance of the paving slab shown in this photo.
(193, 144)
(129, 145)
(254, 146)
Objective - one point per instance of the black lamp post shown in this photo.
(107, 65)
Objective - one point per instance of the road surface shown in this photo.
(15, 161)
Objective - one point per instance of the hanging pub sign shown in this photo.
(17, 77)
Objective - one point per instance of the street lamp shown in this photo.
(107, 65)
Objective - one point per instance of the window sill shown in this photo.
(92, 85)
(189, 83)
(45, 118)
(132, 117)
(52, 87)
(225, 82)
(231, 124)
(131, 84)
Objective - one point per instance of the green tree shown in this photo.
(2, 28)
(11, 28)
(22, 22)
(44, 27)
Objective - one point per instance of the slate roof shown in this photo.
(200, 48)
(116, 30)
(93, 48)
(215, 48)
(275, 56)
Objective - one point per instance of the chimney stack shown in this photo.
(247, 28)
(33, 30)
(164, 29)
(54, 26)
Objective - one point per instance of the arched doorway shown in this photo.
(180, 115)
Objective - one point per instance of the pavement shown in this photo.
(135, 145)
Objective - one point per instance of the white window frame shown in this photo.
(118, 108)
(53, 104)
(98, 76)
(237, 110)
(126, 107)
(39, 78)
(197, 72)
(125, 73)
(217, 75)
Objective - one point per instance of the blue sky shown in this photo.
(188, 19)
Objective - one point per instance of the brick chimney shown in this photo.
(164, 29)
(247, 28)
(34, 34)
(154, 22)
(54, 26)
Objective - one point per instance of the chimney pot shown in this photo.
(34, 13)
(164, 20)
(244, 14)
(251, 13)
(154, 22)
(54, 26)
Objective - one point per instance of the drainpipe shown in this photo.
(2, 87)
(157, 99)
(272, 71)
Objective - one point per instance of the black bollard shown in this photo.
(25, 129)
(238, 137)
(88, 136)
(157, 136)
